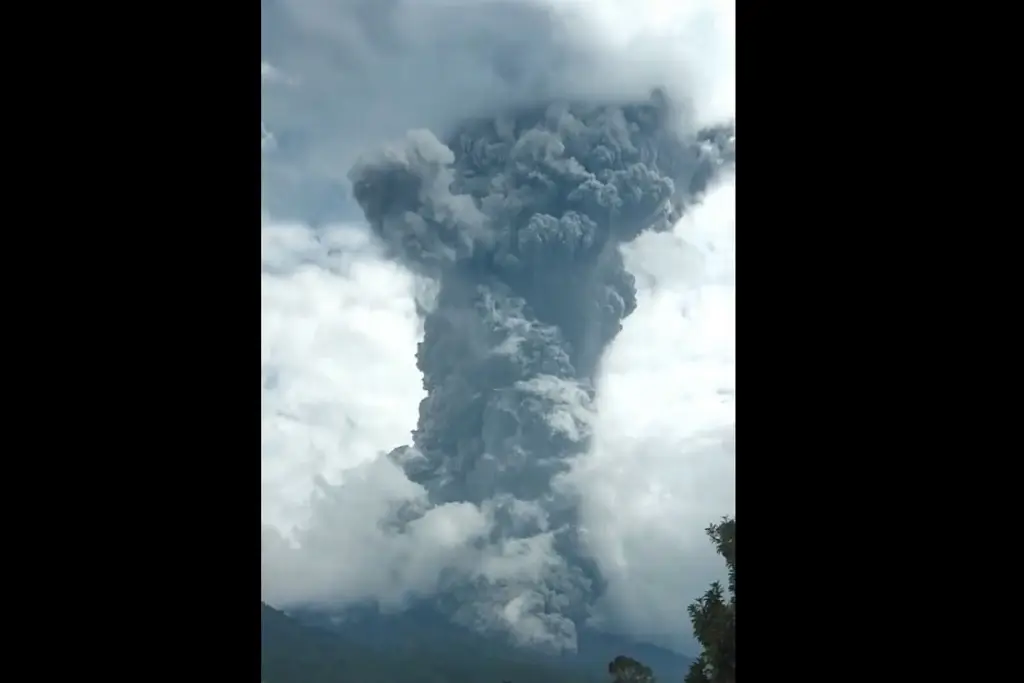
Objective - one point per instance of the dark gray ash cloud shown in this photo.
(520, 217)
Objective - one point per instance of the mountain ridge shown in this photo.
(418, 646)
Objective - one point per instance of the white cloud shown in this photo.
(338, 336)
(662, 466)
(339, 324)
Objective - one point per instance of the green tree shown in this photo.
(628, 670)
(713, 616)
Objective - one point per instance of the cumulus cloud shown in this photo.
(339, 329)
(663, 465)
(342, 318)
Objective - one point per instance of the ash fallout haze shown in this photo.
(497, 310)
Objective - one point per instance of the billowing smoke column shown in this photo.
(519, 218)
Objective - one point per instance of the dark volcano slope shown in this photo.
(422, 645)
(295, 652)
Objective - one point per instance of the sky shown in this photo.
(340, 322)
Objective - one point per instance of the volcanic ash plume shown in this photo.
(519, 220)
